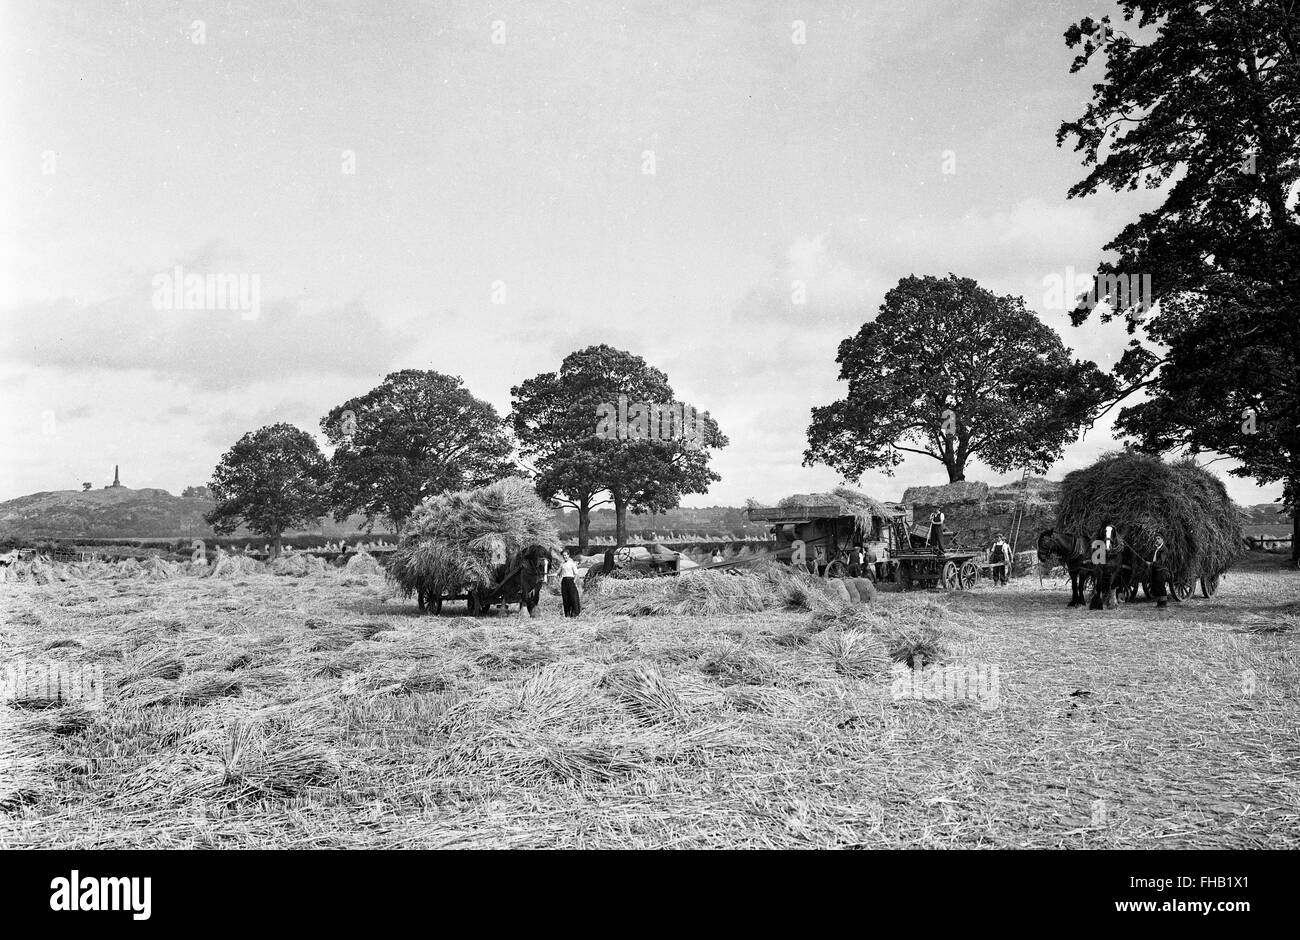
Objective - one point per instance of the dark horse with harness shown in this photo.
(1110, 571)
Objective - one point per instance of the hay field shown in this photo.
(318, 711)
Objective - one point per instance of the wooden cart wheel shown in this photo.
(969, 575)
(950, 579)
(1209, 585)
(1183, 589)
(836, 569)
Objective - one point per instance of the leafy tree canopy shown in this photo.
(417, 434)
(950, 371)
(271, 480)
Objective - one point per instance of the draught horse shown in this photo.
(1076, 552)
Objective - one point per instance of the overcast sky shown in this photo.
(519, 166)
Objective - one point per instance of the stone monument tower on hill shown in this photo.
(117, 483)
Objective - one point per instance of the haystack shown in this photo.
(463, 538)
(1142, 497)
(362, 563)
(703, 593)
(230, 567)
(159, 569)
(299, 565)
(848, 502)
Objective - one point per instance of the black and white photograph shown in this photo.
(595, 426)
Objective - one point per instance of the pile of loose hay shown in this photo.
(300, 566)
(362, 563)
(1142, 496)
(461, 538)
(230, 567)
(703, 593)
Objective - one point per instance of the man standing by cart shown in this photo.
(1000, 559)
(569, 587)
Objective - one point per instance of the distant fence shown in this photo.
(61, 556)
(1268, 543)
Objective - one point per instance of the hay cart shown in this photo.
(915, 562)
(1184, 584)
(952, 571)
(510, 588)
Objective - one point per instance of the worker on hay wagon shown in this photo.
(936, 529)
(1160, 573)
(1000, 559)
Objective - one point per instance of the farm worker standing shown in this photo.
(936, 527)
(1000, 559)
(855, 562)
(569, 587)
(1160, 573)
(875, 567)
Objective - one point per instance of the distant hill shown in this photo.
(120, 512)
(1267, 514)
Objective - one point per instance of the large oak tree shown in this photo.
(1203, 101)
(952, 372)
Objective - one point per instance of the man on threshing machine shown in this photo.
(936, 529)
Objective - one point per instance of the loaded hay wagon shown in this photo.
(488, 546)
(1142, 497)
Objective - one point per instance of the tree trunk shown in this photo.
(584, 524)
(275, 546)
(1295, 526)
(620, 520)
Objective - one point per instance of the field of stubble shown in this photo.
(320, 712)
